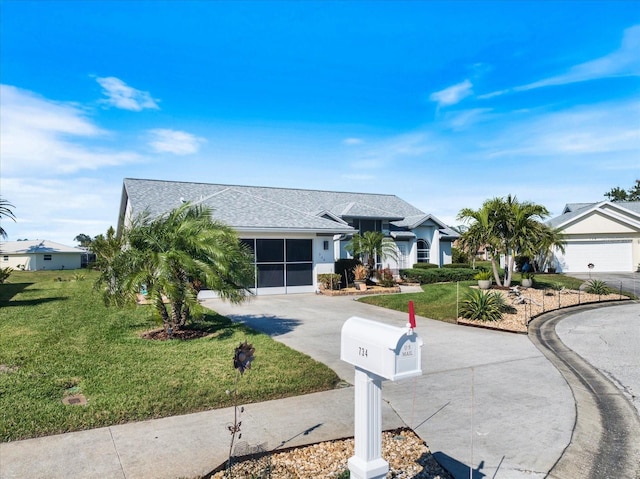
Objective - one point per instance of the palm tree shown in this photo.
(5, 210)
(507, 227)
(369, 247)
(172, 257)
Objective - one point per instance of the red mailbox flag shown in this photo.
(412, 316)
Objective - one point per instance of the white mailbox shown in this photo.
(384, 350)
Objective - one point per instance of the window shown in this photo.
(47, 257)
(5, 258)
(363, 225)
(423, 251)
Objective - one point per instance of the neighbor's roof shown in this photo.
(573, 210)
(254, 207)
(36, 246)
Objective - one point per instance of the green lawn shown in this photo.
(438, 301)
(57, 338)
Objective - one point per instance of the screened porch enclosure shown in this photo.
(281, 264)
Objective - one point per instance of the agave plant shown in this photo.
(482, 306)
(596, 286)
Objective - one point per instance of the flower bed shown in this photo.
(354, 291)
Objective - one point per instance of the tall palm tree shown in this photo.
(172, 256)
(372, 246)
(507, 227)
(6, 211)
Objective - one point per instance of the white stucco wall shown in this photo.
(36, 261)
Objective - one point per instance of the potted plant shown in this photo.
(360, 277)
(527, 279)
(484, 279)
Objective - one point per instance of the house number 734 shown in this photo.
(363, 352)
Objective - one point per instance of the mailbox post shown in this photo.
(378, 351)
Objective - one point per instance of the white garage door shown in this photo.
(604, 255)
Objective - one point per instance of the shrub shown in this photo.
(482, 306)
(439, 275)
(457, 265)
(330, 280)
(596, 286)
(483, 275)
(459, 256)
(385, 278)
(425, 266)
(528, 275)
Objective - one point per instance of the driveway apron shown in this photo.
(488, 404)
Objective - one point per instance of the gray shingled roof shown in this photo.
(572, 210)
(36, 246)
(249, 207)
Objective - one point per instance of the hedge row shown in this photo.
(440, 275)
(457, 265)
(424, 266)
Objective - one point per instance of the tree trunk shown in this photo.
(162, 310)
(496, 273)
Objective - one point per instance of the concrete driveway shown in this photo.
(629, 282)
(487, 401)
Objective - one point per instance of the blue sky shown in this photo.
(444, 104)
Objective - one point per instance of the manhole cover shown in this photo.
(75, 400)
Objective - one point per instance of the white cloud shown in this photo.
(606, 128)
(461, 120)
(60, 209)
(453, 94)
(38, 134)
(174, 141)
(353, 141)
(625, 61)
(121, 95)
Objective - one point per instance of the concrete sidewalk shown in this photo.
(487, 400)
(183, 446)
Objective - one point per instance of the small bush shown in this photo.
(459, 256)
(596, 286)
(425, 266)
(457, 265)
(439, 275)
(330, 280)
(385, 278)
(482, 306)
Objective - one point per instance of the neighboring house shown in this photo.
(33, 255)
(605, 235)
(297, 234)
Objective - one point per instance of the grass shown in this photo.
(438, 301)
(57, 338)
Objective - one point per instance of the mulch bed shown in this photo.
(182, 334)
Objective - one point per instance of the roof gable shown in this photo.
(606, 216)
